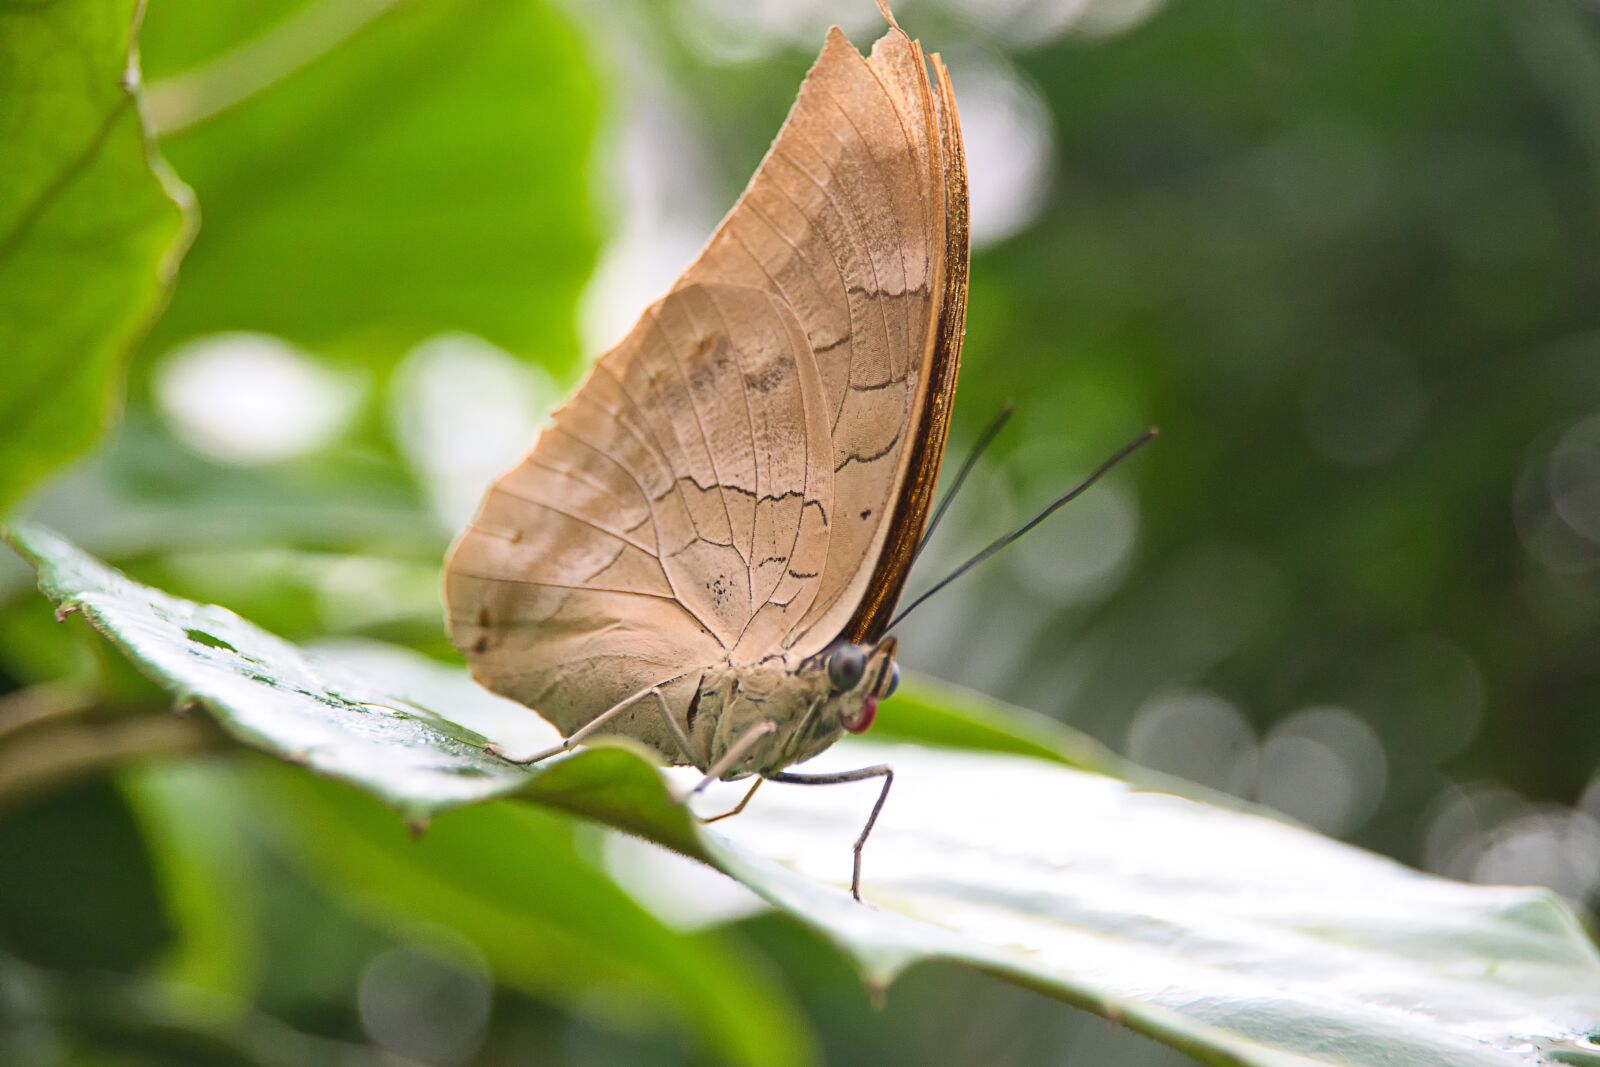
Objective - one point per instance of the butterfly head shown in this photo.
(860, 676)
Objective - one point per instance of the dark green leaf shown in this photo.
(91, 227)
(79, 890)
(510, 880)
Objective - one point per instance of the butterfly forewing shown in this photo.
(740, 475)
(846, 221)
(877, 605)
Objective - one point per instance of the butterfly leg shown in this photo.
(735, 753)
(674, 727)
(737, 808)
(587, 728)
(882, 770)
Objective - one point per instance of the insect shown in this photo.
(705, 546)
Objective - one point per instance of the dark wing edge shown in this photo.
(941, 366)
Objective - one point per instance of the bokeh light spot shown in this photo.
(1010, 147)
(463, 411)
(1575, 478)
(1081, 553)
(1198, 736)
(250, 398)
(1457, 822)
(1552, 847)
(417, 1003)
(1325, 767)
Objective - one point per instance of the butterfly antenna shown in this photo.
(1076, 491)
(985, 439)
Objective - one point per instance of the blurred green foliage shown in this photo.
(433, 176)
(1341, 252)
(90, 228)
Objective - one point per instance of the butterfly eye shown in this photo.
(846, 666)
(893, 684)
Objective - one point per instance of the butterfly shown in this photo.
(705, 547)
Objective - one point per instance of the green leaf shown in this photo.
(937, 713)
(1238, 938)
(195, 834)
(510, 880)
(91, 228)
(268, 693)
(368, 181)
(78, 909)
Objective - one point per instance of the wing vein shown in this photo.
(755, 456)
(655, 523)
(546, 583)
(575, 517)
(646, 436)
(694, 406)
(877, 170)
(844, 291)
(843, 217)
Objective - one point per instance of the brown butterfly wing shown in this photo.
(857, 218)
(672, 508)
(750, 468)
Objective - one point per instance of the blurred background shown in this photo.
(1343, 253)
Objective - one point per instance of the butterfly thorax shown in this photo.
(739, 698)
(807, 710)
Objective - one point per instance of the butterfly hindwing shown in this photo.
(661, 516)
